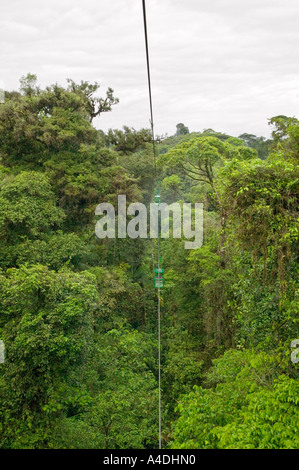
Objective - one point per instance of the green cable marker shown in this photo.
(159, 279)
(157, 197)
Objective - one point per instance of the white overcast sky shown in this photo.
(222, 64)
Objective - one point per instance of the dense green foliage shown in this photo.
(78, 314)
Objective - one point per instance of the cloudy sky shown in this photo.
(224, 64)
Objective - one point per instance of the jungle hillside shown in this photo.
(78, 314)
